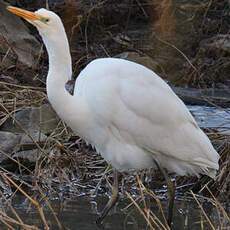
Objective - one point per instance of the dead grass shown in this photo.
(66, 165)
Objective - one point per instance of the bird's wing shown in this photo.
(145, 112)
(154, 118)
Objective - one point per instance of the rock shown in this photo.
(16, 36)
(8, 143)
(27, 148)
(12, 144)
(34, 120)
(31, 125)
(34, 136)
(48, 119)
(30, 155)
(193, 96)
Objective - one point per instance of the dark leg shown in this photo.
(112, 201)
(171, 194)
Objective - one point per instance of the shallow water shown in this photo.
(81, 213)
(212, 117)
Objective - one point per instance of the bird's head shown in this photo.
(47, 22)
(52, 31)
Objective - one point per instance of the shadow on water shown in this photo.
(81, 213)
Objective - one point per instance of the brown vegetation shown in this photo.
(95, 32)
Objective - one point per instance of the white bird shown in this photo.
(123, 109)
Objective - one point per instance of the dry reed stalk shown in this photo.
(33, 201)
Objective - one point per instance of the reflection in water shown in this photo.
(80, 213)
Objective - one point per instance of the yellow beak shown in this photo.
(28, 15)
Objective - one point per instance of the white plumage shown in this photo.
(135, 117)
(124, 109)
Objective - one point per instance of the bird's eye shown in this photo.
(45, 20)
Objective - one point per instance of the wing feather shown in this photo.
(162, 123)
(146, 112)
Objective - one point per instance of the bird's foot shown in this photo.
(112, 201)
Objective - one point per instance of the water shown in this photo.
(212, 117)
(80, 213)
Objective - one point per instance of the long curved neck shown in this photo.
(59, 58)
(60, 71)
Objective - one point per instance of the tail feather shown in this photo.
(208, 167)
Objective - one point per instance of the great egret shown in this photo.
(123, 109)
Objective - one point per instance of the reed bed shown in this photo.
(66, 166)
